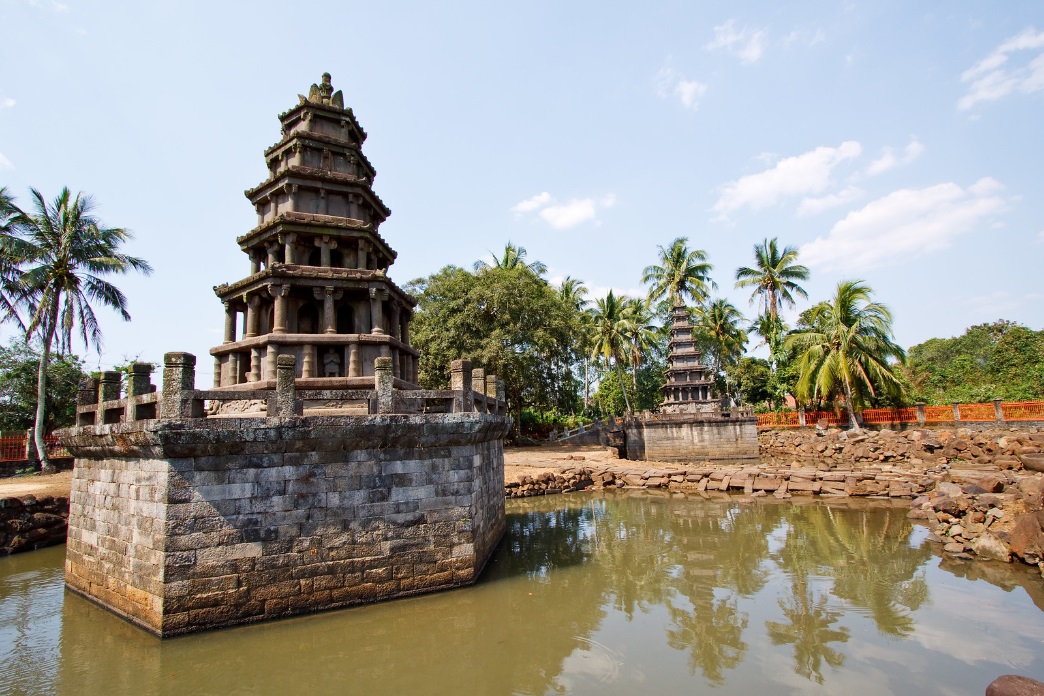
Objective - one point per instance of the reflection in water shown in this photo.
(620, 592)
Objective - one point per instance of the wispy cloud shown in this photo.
(53, 5)
(7, 103)
(890, 160)
(811, 205)
(905, 224)
(746, 43)
(672, 84)
(562, 216)
(808, 173)
(993, 77)
(5, 163)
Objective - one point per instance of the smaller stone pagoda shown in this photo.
(689, 387)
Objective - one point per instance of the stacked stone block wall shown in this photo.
(28, 523)
(188, 525)
(680, 439)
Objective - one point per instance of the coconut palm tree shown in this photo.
(574, 293)
(641, 333)
(847, 345)
(10, 252)
(513, 257)
(773, 276)
(719, 322)
(611, 335)
(681, 273)
(66, 251)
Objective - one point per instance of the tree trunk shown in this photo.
(848, 405)
(587, 384)
(623, 386)
(41, 401)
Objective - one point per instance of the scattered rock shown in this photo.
(1015, 685)
(990, 547)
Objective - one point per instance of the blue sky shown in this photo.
(893, 142)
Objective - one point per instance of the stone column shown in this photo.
(273, 253)
(956, 411)
(280, 293)
(395, 362)
(921, 416)
(179, 380)
(328, 296)
(255, 262)
(997, 410)
(393, 322)
(271, 361)
(290, 246)
(87, 391)
(377, 296)
(109, 386)
(354, 366)
(478, 383)
(230, 322)
(501, 409)
(255, 365)
(384, 382)
(361, 258)
(253, 316)
(285, 404)
(491, 394)
(325, 244)
(217, 372)
(233, 368)
(308, 364)
(404, 328)
(461, 378)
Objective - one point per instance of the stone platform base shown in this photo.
(188, 525)
(690, 437)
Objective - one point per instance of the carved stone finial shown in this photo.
(323, 93)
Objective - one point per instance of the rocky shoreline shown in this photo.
(28, 523)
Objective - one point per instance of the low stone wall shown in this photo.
(929, 447)
(194, 524)
(686, 439)
(28, 523)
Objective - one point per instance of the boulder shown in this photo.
(1026, 540)
(1014, 685)
(990, 547)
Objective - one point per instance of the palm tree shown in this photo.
(641, 332)
(574, 293)
(514, 257)
(773, 276)
(10, 248)
(681, 273)
(719, 321)
(848, 342)
(66, 252)
(610, 335)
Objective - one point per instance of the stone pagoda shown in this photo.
(689, 387)
(318, 287)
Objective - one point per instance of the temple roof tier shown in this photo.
(315, 339)
(308, 222)
(320, 179)
(313, 277)
(345, 118)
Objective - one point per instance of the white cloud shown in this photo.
(564, 215)
(905, 224)
(669, 82)
(5, 163)
(7, 103)
(889, 160)
(746, 43)
(813, 206)
(803, 174)
(992, 77)
(531, 204)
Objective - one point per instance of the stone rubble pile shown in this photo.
(1002, 447)
(28, 523)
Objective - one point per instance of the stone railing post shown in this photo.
(384, 381)
(921, 415)
(284, 403)
(87, 392)
(138, 382)
(801, 416)
(179, 380)
(997, 410)
(501, 406)
(478, 384)
(109, 386)
(956, 411)
(461, 376)
(491, 394)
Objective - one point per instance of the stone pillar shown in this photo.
(393, 321)
(361, 258)
(284, 404)
(395, 362)
(461, 378)
(87, 392)
(253, 316)
(230, 322)
(404, 328)
(997, 410)
(328, 296)
(491, 393)
(921, 416)
(308, 364)
(377, 296)
(501, 399)
(217, 372)
(354, 366)
(325, 244)
(109, 387)
(384, 382)
(233, 368)
(255, 262)
(280, 293)
(478, 383)
(179, 380)
(290, 246)
(272, 248)
(270, 359)
(255, 365)
(956, 411)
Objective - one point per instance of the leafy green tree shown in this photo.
(65, 253)
(512, 258)
(1002, 360)
(611, 335)
(846, 347)
(647, 395)
(718, 323)
(751, 377)
(681, 273)
(18, 377)
(641, 332)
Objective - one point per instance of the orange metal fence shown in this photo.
(1011, 411)
(12, 448)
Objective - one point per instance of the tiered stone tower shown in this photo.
(689, 388)
(318, 287)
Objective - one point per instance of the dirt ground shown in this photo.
(518, 461)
